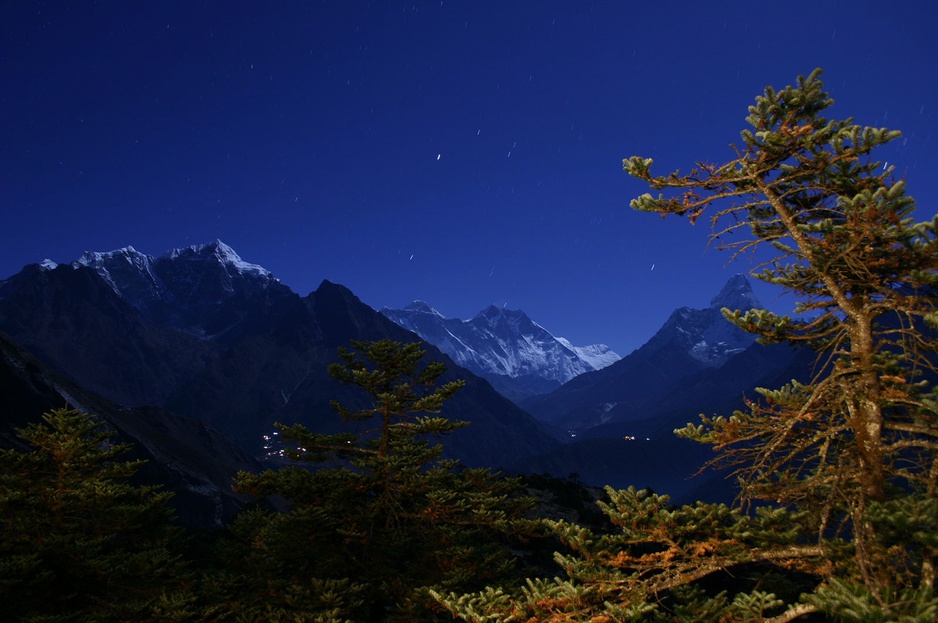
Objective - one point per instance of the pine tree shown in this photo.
(861, 437)
(843, 470)
(80, 543)
(397, 518)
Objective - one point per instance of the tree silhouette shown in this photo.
(80, 543)
(396, 519)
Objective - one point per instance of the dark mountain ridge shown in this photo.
(206, 335)
(193, 461)
(646, 453)
(203, 289)
(209, 336)
(689, 343)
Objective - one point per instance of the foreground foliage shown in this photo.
(842, 471)
(391, 523)
(79, 542)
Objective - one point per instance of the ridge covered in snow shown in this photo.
(108, 262)
(184, 286)
(705, 334)
(597, 355)
(222, 253)
(502, 342)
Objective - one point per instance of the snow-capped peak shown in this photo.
(704, 333)
(502, 342)
(496, 314)
(221, 252)
(736, 294)
(421, 307)
(47, 264)
(185, 286)
(124, 269)
(98, 259)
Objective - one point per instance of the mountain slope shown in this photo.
(194, 462)
(75, 322)
(209, 336)
(204, 289)
(518, 356)
(620, 420)
(690, 342)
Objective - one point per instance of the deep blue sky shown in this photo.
(459, 152)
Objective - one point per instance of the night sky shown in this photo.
(461, 152)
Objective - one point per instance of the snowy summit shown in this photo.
(516, 354)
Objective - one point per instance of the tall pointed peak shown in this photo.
(736, 294)
(224, 253)
(501, 343)
(500, 315)
(493, 313)
(423, 307)
(500, 310)
(220, 252)
(215, 248)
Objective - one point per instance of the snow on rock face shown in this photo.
(221, 253)
(134, 275)
(597, 355)
(129, 272)
(502, 342)
(736, 294)
(211, 271)
(184, 286)
(704, 333)
(421, 307)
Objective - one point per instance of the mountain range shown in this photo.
(618, 421)
(203, 334)
(690, 342)
(198, 335)
(519, 357)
